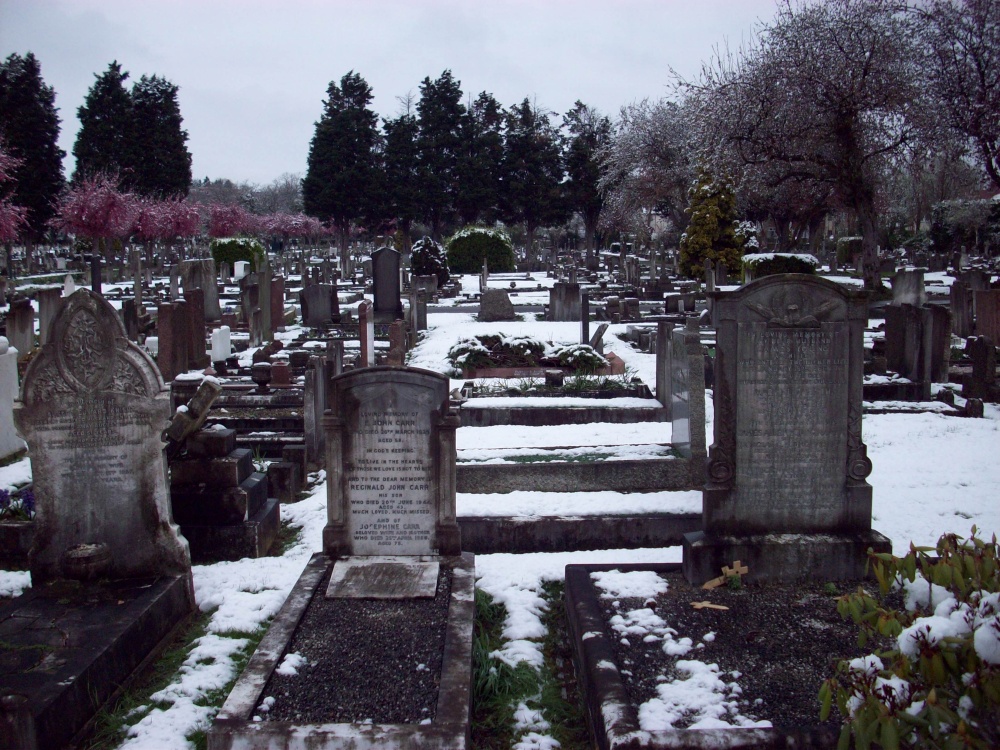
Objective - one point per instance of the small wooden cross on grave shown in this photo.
(737, 569)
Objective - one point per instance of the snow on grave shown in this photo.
(392, 552)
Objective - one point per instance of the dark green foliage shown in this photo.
(341, 182)
(400, 172)
(532, 172)
(782, 264)
(469, 247)
(231, 249)
(582, 358)
(949, 694)
(970, 224)
(588, 133)
(29, 130)
(711, 233)
(162, 165)
(496, 686)
(480, 161)
(105, 141)
(440, 112)
(134, 136)
(428, 258)
(848, 250)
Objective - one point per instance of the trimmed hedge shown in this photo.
(231, 249)
(780, 264)
(468, 247)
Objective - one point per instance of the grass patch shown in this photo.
(111, 725)
(496, 687)
(288, 536)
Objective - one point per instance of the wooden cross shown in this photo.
(707, 605)
(737, 569)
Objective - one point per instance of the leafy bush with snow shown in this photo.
(428, 258)
(579, 357)
(468, 247)
(770, 264)
(940, 685)
(500, 350)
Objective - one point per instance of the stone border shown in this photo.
(624, 475)
(611, 718)
(234, 728)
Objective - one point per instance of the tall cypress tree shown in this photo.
(162, 165)
(711, 233)
(341, 182)
(589, 131)
(533, 172)
(480, 161)
(29, 129)
(105, 141)
(440, 111)
(400, 165)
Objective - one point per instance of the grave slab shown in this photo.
(383, 578)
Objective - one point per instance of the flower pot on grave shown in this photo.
(86, 562)
(15, 542)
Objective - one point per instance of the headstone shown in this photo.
(988, 314)
(69, 286)
(314, 406)
(49, 301)
(385, 276)
(597, 340)
(10, 443)
(390, 454)
(494, 305)
(264, 302)
(172, 334)
(278, 303)
(908, 287)
(397, 344)
(366, 332)
(240, 269)
(195, 315)
(918, 343)
(222, 346)
(564, 302)
(687, 396)
(200, 274)
(317, 302)
(95, 273)
(92, 410)
(130, 318)
(584, 318)
(786, 487)
(21, 326)
(981, 383)
(175, 283)
(427, 283)
(960, 300)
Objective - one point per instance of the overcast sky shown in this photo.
(253, 73)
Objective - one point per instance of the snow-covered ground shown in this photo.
(932, 474)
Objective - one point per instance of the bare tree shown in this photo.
(828, 92)
(964, 38)
(283, 195)
(647, 168)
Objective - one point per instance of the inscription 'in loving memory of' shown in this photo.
(389, 483)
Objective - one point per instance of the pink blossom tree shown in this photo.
(98, 210)
(230, 221)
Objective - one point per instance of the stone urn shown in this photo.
(260, 373)
(86, 562)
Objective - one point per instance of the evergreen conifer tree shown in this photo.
(341, 182)
(29, 130)
(589, 132)
(440, 111)
(401, 191)
(105, 141)
(162, 165)
(533, 172)
(480, 161)
(711, 233)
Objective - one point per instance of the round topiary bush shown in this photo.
(428, 258)
(231, 249)
(469, 247)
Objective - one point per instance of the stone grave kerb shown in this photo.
(92, 409)
(390, 457)
(787, 464)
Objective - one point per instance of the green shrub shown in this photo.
(848, 250)
(770, 264)
(428, 258)
(581, 358)
(940, 685)
(470, 246)
(231, 249)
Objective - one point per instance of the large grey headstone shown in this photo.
(494, 305)
(319, 304)
(92, 410)
(788, 458)
(385, 282)
(390, 456)
(200, 274)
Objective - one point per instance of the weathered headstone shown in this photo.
(278, 303)
(10, 443)
(908, 287)
(981, 383)
(687, 396)
(564, 302)
(494, 305)
(92, 410)
(385, 277)
(49, 301)
(390, 455)
(319, 305)
(366, 332)
(21, 326)
(397, 344)
(200, 274)
(988, 314)
(786, 487)
(314, 406)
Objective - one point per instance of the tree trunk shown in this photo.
(345, 255)
(869, 245)
(529, 253)
(590, 243)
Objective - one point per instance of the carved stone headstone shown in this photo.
(564, 302)
(385, 277)
(390, 456)
(92, 409)
(319, 304)
(494, 305)
(786, 484)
